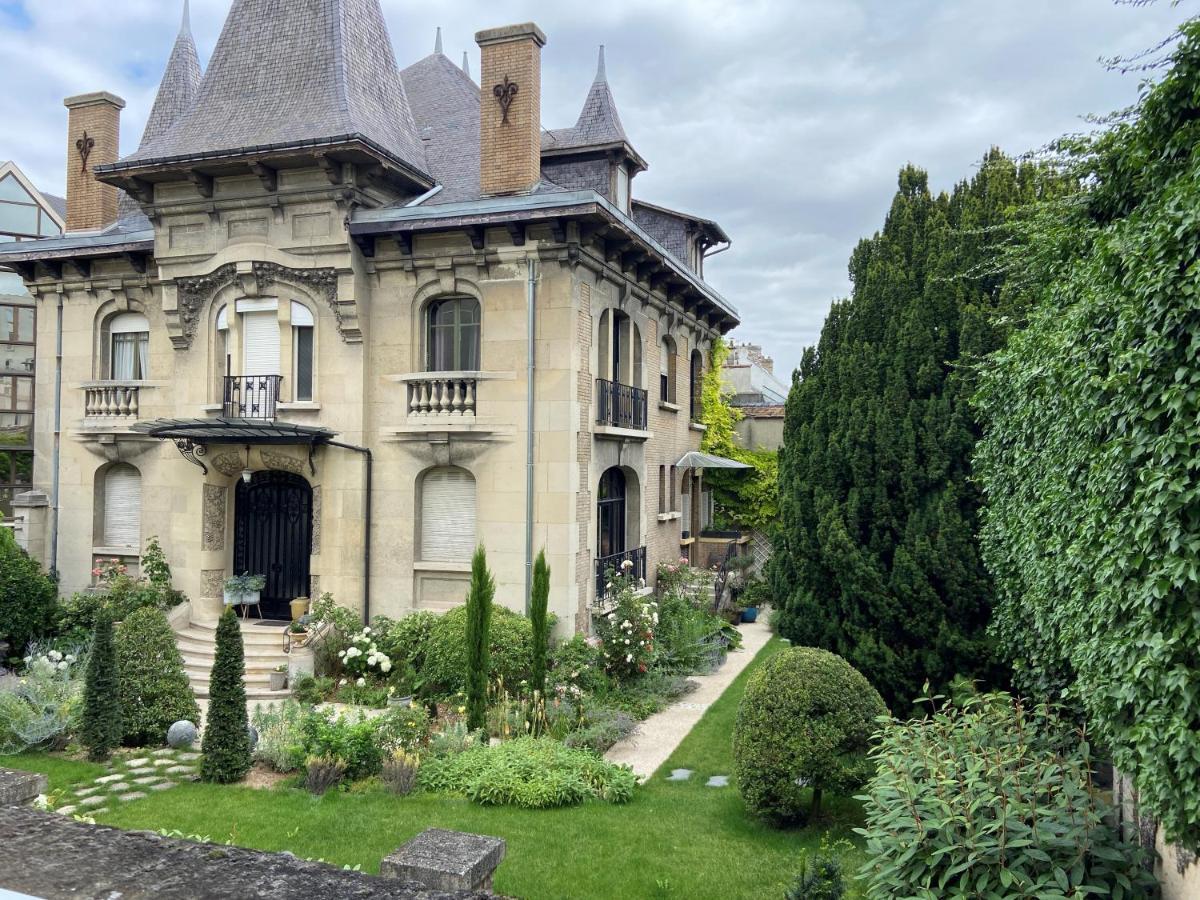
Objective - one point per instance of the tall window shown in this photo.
(303, 327)
(122, 514)
(697, 380)
(129, 347)
(667, 370)
(453, 335)
(610, 508)
(447, 527)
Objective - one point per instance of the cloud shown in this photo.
(785, 120)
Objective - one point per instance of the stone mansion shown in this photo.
(337, 323)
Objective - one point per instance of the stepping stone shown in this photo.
(93, 802)
(65, 810)
(164, 762)
(108, 779)
(149, 779)
(119, 786)
(140, 761)
(180, 770)
(718, 781)
(143, 770)
(188, 757)
(163, 752)
(165, 786)
(135, 795)
(680, 775)
(87, 791)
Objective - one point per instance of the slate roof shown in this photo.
(599, 123)
(323, 71)
(445, 105)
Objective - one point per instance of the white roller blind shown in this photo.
(260, 343)
(123, 507)
(128, 323)
(448, 516)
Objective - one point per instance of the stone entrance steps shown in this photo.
(263, 648)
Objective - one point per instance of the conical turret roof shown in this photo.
(179, 84)
(599, 124)
(295, 74)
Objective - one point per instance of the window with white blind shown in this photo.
(447, 515)
(260, 343)
(122, 507)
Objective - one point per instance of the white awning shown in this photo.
(697, 460)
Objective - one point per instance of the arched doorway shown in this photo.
(273, 537)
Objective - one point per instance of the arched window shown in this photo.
(121, 517)
(667, 369)
(447, 526)
(128, 347)
(303, 332)
(452, 337)
(697, 380)
(611, 510)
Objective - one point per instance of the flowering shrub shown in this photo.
(626, 631)
(363, 658)
(45, 705)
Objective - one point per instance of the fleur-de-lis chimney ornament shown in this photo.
(504, 94)
(85, 145)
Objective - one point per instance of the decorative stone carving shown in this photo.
(281, 462)
(323, 282)
(316, 520)
(314, 590)
(193, 294)
(229, 464)
(214, 516)
(212, 582)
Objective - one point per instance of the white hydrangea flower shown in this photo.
(362, 682)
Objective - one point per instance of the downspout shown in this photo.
(55, 454)
(369, 460)
(531, 304)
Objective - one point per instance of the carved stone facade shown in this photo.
(214, 516)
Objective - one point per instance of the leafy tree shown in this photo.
(27, 596)
(1090, 457)
(101, 729)
(479, 622)
(876, 557)
(537, 614)
(155, 692)
(226, 743)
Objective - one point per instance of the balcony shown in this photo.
(251, 397)
(438, 395)
(615, 563)
(621, 406)
(110, 401)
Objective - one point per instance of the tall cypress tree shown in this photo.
(102, 726)
(226, 744)
(479, 627)
(876, 558)
(538, 605)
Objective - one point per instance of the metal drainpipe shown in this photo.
(54, 463)
(531, 303)
(370, 463)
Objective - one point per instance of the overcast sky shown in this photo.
(784, 120)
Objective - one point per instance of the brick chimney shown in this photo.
(510, 109)
(93, 139)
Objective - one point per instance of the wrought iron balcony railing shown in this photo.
(620, 405)
(251, 396)
(616, 564)
(111, 400)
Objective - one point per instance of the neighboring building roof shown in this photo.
(55, 207)
(598, 126)
(715, 230)
(323, 73)
(445, 105)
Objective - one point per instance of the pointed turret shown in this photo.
(437, 41)
(288, 79)
(466, 66)
(179, 84)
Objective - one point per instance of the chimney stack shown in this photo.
(93, 139)
(510, 109)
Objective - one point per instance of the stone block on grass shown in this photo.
(20, 788)
(446, 860)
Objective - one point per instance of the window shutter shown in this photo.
(448, 516)
(123, 507)
(260, 343)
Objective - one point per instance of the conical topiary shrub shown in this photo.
(155, 692)
(479, 624)
(538, 604)
(101, 729)
(226, 743)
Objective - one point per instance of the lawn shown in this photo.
(673, 839)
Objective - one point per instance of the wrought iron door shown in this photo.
(273, 537)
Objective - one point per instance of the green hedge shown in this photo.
(510, 645)
(155, 692)
(27, 596)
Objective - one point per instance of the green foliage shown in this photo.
(688, 640)
(403, 728)
(155, 692)
(993, 800)
(821, 875)
(102, 726)
(805, 722)
(537, 616)
(602, 727)
(27, 596)
(575, 668)
(876, 558)
(310, 690)
(478, 639)
(532, 773)
(322, 773)
(626, 630)
(510, 649)
(400, 772)
(406, 639)
(352, 741)
(279, 740)
(1089, 461)
(155, 567)
(43, 708)
(226, 743)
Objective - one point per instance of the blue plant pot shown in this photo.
(750, 614)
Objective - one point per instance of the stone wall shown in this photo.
(1178, 870)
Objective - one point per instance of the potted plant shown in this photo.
(298, 634)
(279, 678)
(244, 589)
(299, 608)
(403, 689)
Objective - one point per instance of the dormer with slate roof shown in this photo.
(594, 154)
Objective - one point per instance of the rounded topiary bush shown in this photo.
(805, 722)
(155, 692)
(510, 643)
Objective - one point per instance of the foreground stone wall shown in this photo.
(1178, 870)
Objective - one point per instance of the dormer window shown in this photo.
(129, 347)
